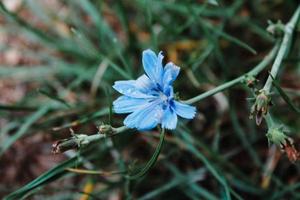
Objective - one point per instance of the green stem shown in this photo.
(257, 69)
(269, 120)
(82, 140)
(284, 48)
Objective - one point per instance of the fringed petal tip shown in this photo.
(184, 110)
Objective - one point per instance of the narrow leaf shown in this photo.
(54, 97)
(24, 128)
(152, 160)
(45, 178)
(285, 96)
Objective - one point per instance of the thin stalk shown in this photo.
(80, 140)
(284, 48)
(152, 160)
(94, 172)
(269, 120)
(256, 70)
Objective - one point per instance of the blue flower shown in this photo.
(150, 98)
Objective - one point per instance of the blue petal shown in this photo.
(144, 119)
(153, 65)
(184, 110)
(144, 84)
(129, 88)
(125, 104)
(171, 72)
(169, 91)
(169, 120)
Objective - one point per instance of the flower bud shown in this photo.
(276, 29)
(261, 106)
(75, 142)
(106, 129)
(277, 136)
(250, 81)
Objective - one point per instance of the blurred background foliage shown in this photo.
(58, 60)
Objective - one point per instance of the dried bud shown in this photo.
(261, 106)
(63, 145)
(74, 142)
(292, 154)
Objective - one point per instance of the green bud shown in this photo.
(250, 81)
(277, 29)
(106, 129)
(277, 136)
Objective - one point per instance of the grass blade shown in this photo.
(45, 178)
(24, 128)
(152, 160)
(54, 97)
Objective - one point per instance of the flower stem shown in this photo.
(269, 120)
(80, 140)
(284, 48)
(257, 69)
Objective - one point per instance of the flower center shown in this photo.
(163, 97)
